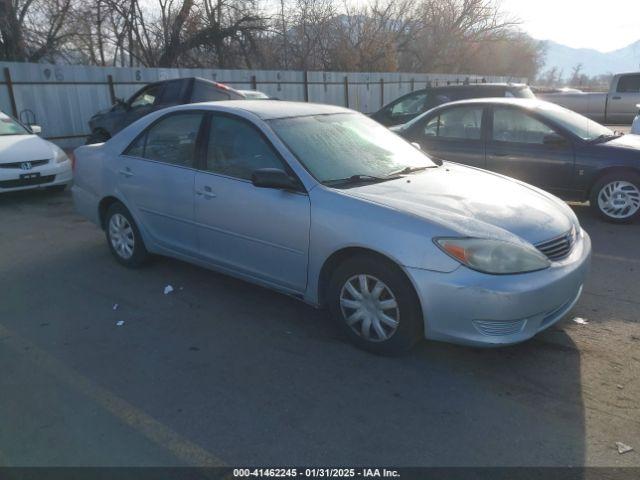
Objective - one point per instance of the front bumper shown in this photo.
(473, 308)
(51, 174)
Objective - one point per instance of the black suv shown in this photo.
(409, 106)
(157, 95)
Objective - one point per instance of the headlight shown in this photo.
(493, 256)
(59, 156)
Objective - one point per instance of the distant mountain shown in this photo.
(593, 62)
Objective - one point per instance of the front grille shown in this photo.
(34, 163)
(559, 247)
(499, 328)
(25, 182)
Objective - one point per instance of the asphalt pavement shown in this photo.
(223, 372)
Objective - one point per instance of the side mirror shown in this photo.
(554, 140)
(35, 129)
(273, 178)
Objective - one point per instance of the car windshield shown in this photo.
(8, 126)
(577, 124)
(346, 145)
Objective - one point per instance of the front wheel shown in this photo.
(123, 237)
(616, 197)
(375, 305)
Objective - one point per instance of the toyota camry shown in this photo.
(326, 205)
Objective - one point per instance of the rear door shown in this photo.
(454, 134)
(523, 146)
(156, 178)
(621, 107)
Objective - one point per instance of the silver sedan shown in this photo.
(322, 203)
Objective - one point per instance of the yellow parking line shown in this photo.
(152, 429)
(616, 258)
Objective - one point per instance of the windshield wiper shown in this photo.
(406, 170)
(360, 178)
(605, 137)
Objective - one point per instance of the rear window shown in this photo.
(204, 92)
(172, 92)
(629, 84)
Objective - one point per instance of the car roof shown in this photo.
(531, 103)
(461, 86)
(271, 109)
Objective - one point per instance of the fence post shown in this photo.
(305, 80)
(112, 90)
(254, 82)
(381, 92)
(12, 97)
(346, 91)
(412, 84)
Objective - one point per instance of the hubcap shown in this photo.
(369, 307)
(619, 199)
(121, 236)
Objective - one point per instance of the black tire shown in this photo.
(97, 136)
(410, 326)
(599, 189)
(139, 254)
(57, 188)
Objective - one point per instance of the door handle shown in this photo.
(206, 192)
(616, 98)
(500, 154)
(126, 172)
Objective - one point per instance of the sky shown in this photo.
(601, 25)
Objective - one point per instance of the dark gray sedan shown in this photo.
(539, 143)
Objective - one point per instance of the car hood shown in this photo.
(631, 142)
(24, 148)
(475, 203)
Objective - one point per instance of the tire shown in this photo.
(97, 136)
(353, 315)
(624, 188)
(123, 237)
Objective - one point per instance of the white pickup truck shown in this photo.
(618, 106)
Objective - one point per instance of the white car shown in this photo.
(28, 161)
(635, 126)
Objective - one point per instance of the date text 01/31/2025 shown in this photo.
(315, 473)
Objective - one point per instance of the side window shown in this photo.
(205, 92)
(172, 92)
(461, 123)
(148, 96)
(170, 140)
(236, 149)
(515, 126)
(413, 104)
(629, 84)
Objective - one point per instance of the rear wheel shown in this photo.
(616, 197)
(375, 305)
(123, 237)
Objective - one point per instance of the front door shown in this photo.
(524, 147)
(156, 178)
(258, 232)
(454, 134)
(143, 103)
